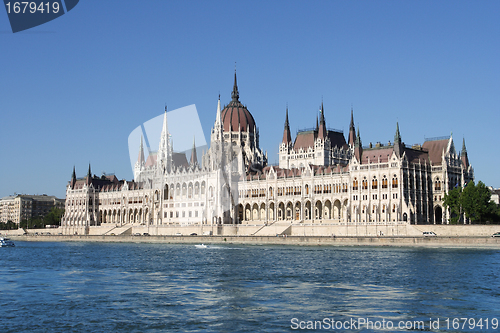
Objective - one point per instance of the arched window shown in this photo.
(384, 182)
(355, 184)
(364, 184)
(437, 185)
(374, 183)
(395, 182)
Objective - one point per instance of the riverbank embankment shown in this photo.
(432, 241)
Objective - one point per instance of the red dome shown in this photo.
(236, 117)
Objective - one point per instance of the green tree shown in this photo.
(452, 201)
(10, 225)
(53, 217)
(476, 202)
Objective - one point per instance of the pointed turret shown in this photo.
(235, 95)
(287, 138)
(397, 136)
(164, 155)
(463, 155)
(140, 158)
(358, 147)
(217, 117)
(317, 124)
(73, 178)
(352, 131)
(398, 144)
(322, 125)
(194, 158)
(89, 176)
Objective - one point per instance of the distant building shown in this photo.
(321, 178)
(17, 208)
(495, 194)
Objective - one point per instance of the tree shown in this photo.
(8, 226)
(474, 201)
(452, 200)
(53, 217)
(468, 201)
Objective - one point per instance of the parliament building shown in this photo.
(323, 178)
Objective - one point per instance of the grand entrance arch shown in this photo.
(438, 215)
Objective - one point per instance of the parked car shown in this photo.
(178, 234)
(145, 234)
(137, 234)
(194, 234)
(496, 234)
(429, 234)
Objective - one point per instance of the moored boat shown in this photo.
(6, 242)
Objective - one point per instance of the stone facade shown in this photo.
(321, 179)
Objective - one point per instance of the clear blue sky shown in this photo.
(73, 89)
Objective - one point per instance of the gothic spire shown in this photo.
(463, 155)
(164, 134)
(352, 131)
(358, 147)
(164, 154)
(397, 136)
(322, 113)
(89, 176)
(73, 178)
(140, 159)
(287, 138)
(398, 144)
(358, 139)
(235, 95)
(217, 117)
(194, 157)
(322, 126)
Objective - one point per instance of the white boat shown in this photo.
(6, 242)
(201, 246)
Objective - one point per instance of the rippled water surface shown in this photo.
(106, 287)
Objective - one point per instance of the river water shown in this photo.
(109, 287)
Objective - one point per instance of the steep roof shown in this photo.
(384, 153)
(304, 140)
(435, 149)
(337, 139)
(417, 156)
